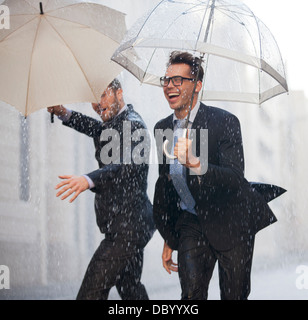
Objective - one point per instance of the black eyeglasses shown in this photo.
(177, 81)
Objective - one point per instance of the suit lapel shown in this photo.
(169, 123)
(201, 120)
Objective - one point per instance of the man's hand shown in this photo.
(183, 151)
(168, 263)
(57, 110)
(70, 185)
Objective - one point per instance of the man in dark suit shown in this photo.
(215, 214)
(123, 210)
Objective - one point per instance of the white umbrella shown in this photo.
(57, 52)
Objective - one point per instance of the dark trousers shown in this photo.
(197, 259)
(117, 262)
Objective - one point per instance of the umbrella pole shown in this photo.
(193, 95)
(201, 60)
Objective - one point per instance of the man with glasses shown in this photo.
(212, 216)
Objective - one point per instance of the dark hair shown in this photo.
(115, 85)
(177, 57)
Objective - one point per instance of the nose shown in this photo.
(170, 84)
(96, 107)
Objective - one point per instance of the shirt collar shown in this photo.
(116, 117)
(122, 110)
(193, 113)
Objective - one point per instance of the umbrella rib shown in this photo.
(229, 13)
(170, 25)
(167, 29)
(76, 4)
(148, 17)
(82, 25)
(31, 5)
(195, 8)
(207, 62)
(237, 19)
(30, 67)
(87, 80)
(261, 51)
(46, 6)
(18, 29)
(64, 7)
(46, 14)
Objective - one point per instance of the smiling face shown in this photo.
(110, 105)
(179, 97)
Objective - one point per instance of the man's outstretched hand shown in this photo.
(57, 110)
(70, 185)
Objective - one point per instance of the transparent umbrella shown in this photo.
(57, 52)
(242, 60)
(241, 57)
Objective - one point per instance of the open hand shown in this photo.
(70, 185)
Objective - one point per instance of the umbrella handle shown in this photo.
(52, 117)
(165, 145)
(167, 154)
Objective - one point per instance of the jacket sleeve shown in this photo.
(165, 204)
(122, 172)
(166, 211)
(103, 175)
(84, 124)
(117, 173)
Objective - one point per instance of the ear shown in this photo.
(198, 87)
(119, 93)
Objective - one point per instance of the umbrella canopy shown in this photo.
(57, 52)
(242, 61)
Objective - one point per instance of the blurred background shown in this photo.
(47, 243)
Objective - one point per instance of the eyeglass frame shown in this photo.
(172, 79)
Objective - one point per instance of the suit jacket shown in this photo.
(121, 201)
(228, 208)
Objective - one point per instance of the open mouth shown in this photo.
(173, 96)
